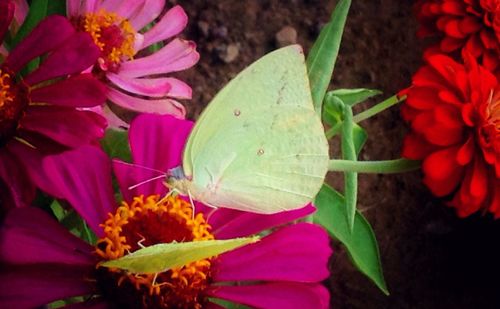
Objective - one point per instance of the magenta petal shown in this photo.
(175, 56)
(172, 23)
(156, 142)
(78, 91)
(228, 223)
(36, 285)
(152, 87)
(276, 295)
(149, 11)
(16, 188)
(6, 16)
(83, 178)
(30, 236)
(73, 7)
(76, 54)
(298, 252)
(158, 106)
(50, 33)
(65, 125)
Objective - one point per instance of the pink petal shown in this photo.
(38, 285)
(125, 8)
(180, 89)
(65, 125)
(16, 188)
(90, 5)
(30, 236)
(228, 223)
(77, 91)
(83, 178)
(152, 87)
(297, 252)
(7, 9)
(176, 56)
(160, 106)
(21, 11)
(114, 122)
(73, 8)
(149, 11)
(172, 23)
(276, 295)
(147, 153)
(77, 54)
(49, 34)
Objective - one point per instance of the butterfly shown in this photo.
(259, 146)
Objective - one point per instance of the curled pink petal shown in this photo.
(162, 106)
(152, 87)
(172, 23)
(81, 90)
(78, 53)
(149, 11)
(21, 11)
(175, 56)
(50, 33)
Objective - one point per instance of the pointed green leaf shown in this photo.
(352, 97)
(323, 55)
(56, 7)
(360, 243)
(350, 178)
(115, 144)
(161, 257)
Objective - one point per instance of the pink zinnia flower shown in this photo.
(39, 113)
(136, 80)
(44, 262)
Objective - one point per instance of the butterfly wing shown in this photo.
(259, 146)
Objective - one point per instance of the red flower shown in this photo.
(473, 25)
(43, 112)
(454, 112)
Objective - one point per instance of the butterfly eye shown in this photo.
(237, 112)
(260, 152)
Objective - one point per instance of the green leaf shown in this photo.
(352, 97)
(323, 55)
(58, 211)
(227, 304)
(115, 144)
(360, 243)
(333, 112)
(359, 137)
(161, 257)
(37, 12)
(350, 178)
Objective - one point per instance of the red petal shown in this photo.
(6, 15)
(442, 173)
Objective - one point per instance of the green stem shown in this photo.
(377, 167)
(372, 111)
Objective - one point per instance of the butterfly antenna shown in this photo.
(140, 166)
(192, 204)
(145, 181)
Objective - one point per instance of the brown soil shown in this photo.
(431, 258)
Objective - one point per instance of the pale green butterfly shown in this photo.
(162, 257)
(259, 146)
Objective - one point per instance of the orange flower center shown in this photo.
(13, 101)
(151, 221)
(113, 34)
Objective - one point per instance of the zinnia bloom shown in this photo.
(454, 112)
(472, 25)
(43, 262)
(135, 77)
(39, 113)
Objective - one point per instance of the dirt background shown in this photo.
(431, 259)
